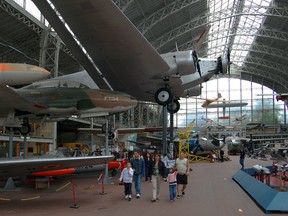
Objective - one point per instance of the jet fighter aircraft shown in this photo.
(53, 98)
(124, 57)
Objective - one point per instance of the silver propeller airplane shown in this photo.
(123, 55)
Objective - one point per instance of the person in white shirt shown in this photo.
(127, 178)
(183, 167)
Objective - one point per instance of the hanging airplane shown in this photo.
(208, 121)
(225, 104)
(125, 58)
(58, 99)
(240, 119)
(282, 97)
(208, 101)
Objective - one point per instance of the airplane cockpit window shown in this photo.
(56, 84)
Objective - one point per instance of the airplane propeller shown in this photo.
(197, 47)
(196, 62)
(228, 61)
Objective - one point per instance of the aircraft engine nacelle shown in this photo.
(181, 63)
(185, 63)
(195, 91)
(20, 74)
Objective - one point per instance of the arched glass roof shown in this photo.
(255, 31)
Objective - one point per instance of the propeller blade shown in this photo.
(228, 61)
(196, 62)
(197, 47)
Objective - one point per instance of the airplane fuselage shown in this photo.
(67, 99)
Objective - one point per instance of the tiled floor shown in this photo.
(211, 191)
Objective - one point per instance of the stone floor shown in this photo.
(210, 191)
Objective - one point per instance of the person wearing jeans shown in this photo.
(138, 166)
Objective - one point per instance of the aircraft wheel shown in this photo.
(103, 128)
(25, 129)
(174, 106)
(163, 96)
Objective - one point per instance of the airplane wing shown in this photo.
(120, 51)
(226, 105)
(125, 130)
(22, 167)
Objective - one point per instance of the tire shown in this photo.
(163, 96)
(174, 106)
(103, 128)
(25, 129)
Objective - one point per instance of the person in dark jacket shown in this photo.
(157, 174)
(242, 157)
(138, 165)
(148, 161)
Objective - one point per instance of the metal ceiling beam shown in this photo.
(11, 9)
(235, 24)
(272, 66)
(163, 13)
(257, 48)
(16, 11)
(275, 86)
(217, 16)
(123, 4)
(268, 76)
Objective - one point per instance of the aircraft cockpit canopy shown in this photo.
(56, 84)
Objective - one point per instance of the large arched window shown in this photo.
(261, 107)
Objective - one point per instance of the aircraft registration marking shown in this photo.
(111, 98)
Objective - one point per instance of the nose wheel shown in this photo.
(163, 96)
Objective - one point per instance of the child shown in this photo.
(171, 178)
(127, 177)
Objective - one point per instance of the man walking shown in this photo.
(242, 157)
(183, 167)
(138, 165)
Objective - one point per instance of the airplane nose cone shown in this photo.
(19, 74)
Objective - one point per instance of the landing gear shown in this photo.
(25, 129)
(163, 96)
(103, 128)
(174, 106)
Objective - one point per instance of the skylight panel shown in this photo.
(253, 20)
(247, 27)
